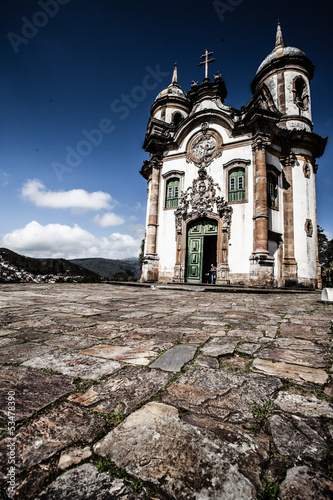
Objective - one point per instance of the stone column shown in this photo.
(224, 224)
(150, 260)
(179, 270)
(153, 209)
(289, 263)
(262, 264)
(260, 243)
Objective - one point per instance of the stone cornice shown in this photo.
(155, 161)
(260, 141)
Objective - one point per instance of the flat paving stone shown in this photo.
(74, 365)
(47, 434)
(76, 309)
(85, 483)
(36, 324)
(225, 395)
(305, 483)
(196, 338)
(300, 357)
(219, 347)
(130, 355)
(124, 391)
(175, 358)
(293, 437)
(206, 362)
(29, 484)
(252, 335)
(48, 326)
(73, 456)
(9, 341)
(71, 341)
(155, 343)
(296, 373)
(301, 332)
(270, 330)
(5, 332)
(169, 447)
(31, 336)
(309, 406)
(248, 348)
(33, 390)
(298, 344)
(21, 352)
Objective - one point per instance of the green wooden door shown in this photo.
(196, 237)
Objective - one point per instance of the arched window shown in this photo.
(236, 184)
(272, 191)
(301, 97)
(172, 193)
(177, 118)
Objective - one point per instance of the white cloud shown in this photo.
(138, 230)
(76, 199)
(108, 219)
(56, 241)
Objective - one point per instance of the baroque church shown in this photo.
(234, 187)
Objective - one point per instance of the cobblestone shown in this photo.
(85, 365)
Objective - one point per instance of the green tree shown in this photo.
(141, 253)
(325, 253)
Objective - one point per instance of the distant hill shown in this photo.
(113, 269)
(47, 266)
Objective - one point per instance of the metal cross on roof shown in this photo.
(206, 61)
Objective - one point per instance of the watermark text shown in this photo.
(122, 108)
(31, 27)
(11, 446)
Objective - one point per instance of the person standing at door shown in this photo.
(212, 273)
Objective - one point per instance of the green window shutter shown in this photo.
(271, 190)
(172, 193)
(236, 185)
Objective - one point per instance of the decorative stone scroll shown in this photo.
(308, 226)
(200, 200)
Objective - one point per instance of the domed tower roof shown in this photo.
(174, 89)
(281, 56)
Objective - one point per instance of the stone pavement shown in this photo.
(119, 392)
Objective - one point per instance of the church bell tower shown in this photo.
(287, 73)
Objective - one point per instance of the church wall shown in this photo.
(271, 83)
(166, 246)
(241, 229)
(241, 239)
(304, 211)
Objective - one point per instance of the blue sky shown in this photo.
(78, 78)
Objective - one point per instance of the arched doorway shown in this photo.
(201, 249)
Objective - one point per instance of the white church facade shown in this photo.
(234, 188)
